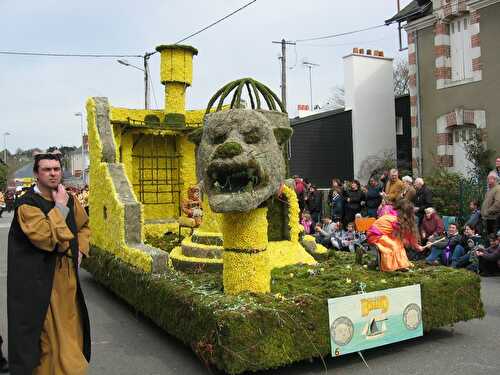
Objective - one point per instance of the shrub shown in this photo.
(452, 192)
(445, 187)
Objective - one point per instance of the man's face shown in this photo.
(49, 173)
(492, 181)
(452, 229)
(418, 185)
(394, 176)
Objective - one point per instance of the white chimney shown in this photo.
(369, 93)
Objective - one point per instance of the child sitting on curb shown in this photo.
(337, 234)
(323, 231)
(307, 223)
(465, 249)
(351, 239)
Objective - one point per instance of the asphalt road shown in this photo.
(124, 343)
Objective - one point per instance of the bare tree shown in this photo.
(401, 74)
(337, 97)
(375, 165)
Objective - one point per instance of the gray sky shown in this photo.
(39, 95)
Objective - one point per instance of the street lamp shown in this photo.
(145, 71)
(80, 114)
(310, 65)
(5, 146)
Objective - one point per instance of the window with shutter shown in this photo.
(467, 49)
(460, 49)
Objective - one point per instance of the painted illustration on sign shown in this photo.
(368, 320)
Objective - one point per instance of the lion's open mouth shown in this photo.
(234, 177)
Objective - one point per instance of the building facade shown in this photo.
(454, 74)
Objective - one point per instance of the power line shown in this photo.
(152, 87)
(216, 22)
(96, 55)
(347, 43)
(53, 54)
(340, 34)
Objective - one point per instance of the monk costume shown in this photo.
(49, 330)
(391, 248)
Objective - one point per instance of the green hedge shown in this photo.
(452, 192)
(256, 332)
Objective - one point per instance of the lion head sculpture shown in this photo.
(240, 161)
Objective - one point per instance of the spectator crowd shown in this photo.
(351, 211)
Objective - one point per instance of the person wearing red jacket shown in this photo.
(432, 225)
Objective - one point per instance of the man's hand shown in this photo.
(60, 195)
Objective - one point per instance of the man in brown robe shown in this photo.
(49, 331)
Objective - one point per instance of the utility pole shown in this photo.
(5, 146)
(145, 70)
(146, 57)
(310, 65)
(398, 5)
(283, 43)
(80, 114)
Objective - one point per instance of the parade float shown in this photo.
(246, 290)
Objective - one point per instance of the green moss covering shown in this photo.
(166, 242)
(175, 120)
(177, 46)
(206, 240)
(255, 332)
(228, 150)
(151, 119)
(277, 218)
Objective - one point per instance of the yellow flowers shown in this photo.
(187, 168)
(158, 230)
(293, 213)
(285, 253)
(107, 216)
(246, 264)
(245, 230)
(137, 258)
(246, 272)
(177, 63)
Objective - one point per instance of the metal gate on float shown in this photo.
(157, 177)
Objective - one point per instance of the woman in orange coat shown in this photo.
(390, 233)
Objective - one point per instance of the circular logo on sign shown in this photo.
(342, 330)
(412, 316)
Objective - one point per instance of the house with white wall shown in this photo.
(338, 143)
